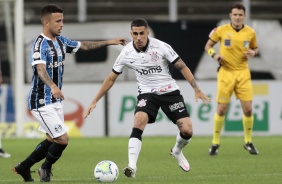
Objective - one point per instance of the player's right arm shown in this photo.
(91, 45)
(42, 73)
(107, 84)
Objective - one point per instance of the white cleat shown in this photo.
(129, 172)
(182, 162)
(5, 155)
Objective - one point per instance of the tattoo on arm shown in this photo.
(180, 64)
(187, 73)
(42, 73)
(87, 45)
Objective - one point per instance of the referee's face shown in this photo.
(139, 36)
(237, 17)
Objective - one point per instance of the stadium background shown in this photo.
(187, 33)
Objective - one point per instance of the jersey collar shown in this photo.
(144, 49)
(237, 30)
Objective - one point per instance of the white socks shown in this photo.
(180, 144)
(134, 147)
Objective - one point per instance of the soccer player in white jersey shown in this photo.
(45, 100)
(149, 58)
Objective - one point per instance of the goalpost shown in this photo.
(16, 53)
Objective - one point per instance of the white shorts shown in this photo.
(51, 119)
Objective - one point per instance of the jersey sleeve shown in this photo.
(169, 53)
(253, 43)
(72, 46)
(38, 52)
(215, 34)
(119, 64)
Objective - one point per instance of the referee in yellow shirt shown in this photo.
(237, 44)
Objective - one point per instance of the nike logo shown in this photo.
(181, 110)
(132, 61)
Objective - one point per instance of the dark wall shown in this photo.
(188, 39)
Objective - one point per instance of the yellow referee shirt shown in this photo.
(233, 45)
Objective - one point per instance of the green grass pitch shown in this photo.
(233, 164)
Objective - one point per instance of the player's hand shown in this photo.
(202, 96)
(118, 41)
(218, 58)
(250, 53)
(90, 109)
(57, 93)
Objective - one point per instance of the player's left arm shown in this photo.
(186, 72)
(90, 45)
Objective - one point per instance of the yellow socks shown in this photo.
(248, 127)
(218, 123)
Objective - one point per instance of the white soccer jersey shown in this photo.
(150, 66)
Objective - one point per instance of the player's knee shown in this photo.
(248, 112)
(63, 139)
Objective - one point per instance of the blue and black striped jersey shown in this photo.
(52, 54)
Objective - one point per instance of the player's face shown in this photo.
(237, 17)
(139, 36)
(55, 24)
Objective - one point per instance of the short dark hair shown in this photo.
(49, 9)
(239, 6)
(138, 22)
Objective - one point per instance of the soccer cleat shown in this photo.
(182, 162)
(129, 172)
(4, 154)
(24, 173)
(250, 147)
(45, 174)
(214, 149)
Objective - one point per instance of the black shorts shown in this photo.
(172, 104)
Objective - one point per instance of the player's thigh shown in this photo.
(225, 85)
(140, 120)
(50, 120)
(244, 88)
(173, 106)
(148, 104)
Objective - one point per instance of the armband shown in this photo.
(211, 52)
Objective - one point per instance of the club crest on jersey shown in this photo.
(154, 56)
(246, 44)
(142, 103)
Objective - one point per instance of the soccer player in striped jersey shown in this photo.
(237, 44)
(45, 100)
(149, 59)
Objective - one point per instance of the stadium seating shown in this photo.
(109, 10)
